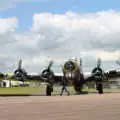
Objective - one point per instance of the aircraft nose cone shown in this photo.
(69, 66)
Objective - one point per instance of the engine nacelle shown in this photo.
(47, 74)
(20, 74)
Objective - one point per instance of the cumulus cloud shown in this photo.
(94, 29)
(7, 28)
(63, 36)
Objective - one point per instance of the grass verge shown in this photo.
(41, 90)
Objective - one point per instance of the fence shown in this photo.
(37, 88)
(57, 89)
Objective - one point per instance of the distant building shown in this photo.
(8, 83)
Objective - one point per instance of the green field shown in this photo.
(22, 90)
(41, 90)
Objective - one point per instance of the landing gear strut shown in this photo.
(49, 89)
(100, 88)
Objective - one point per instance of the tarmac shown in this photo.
(77, 107)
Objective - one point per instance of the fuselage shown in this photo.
(73, 74)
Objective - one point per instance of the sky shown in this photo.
(37, 31)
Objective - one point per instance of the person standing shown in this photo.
(64, 87)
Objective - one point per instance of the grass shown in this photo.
(22, 90)
(41, 90)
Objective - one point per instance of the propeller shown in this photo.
(48, 74)
(20, 73)
(97, 72)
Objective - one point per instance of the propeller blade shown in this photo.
(20, 64)
(50, 64)
(99, 62)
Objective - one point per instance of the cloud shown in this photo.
(7, 29)
(109, 56)
(96, 30)
(8, 25)
(63, 36)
